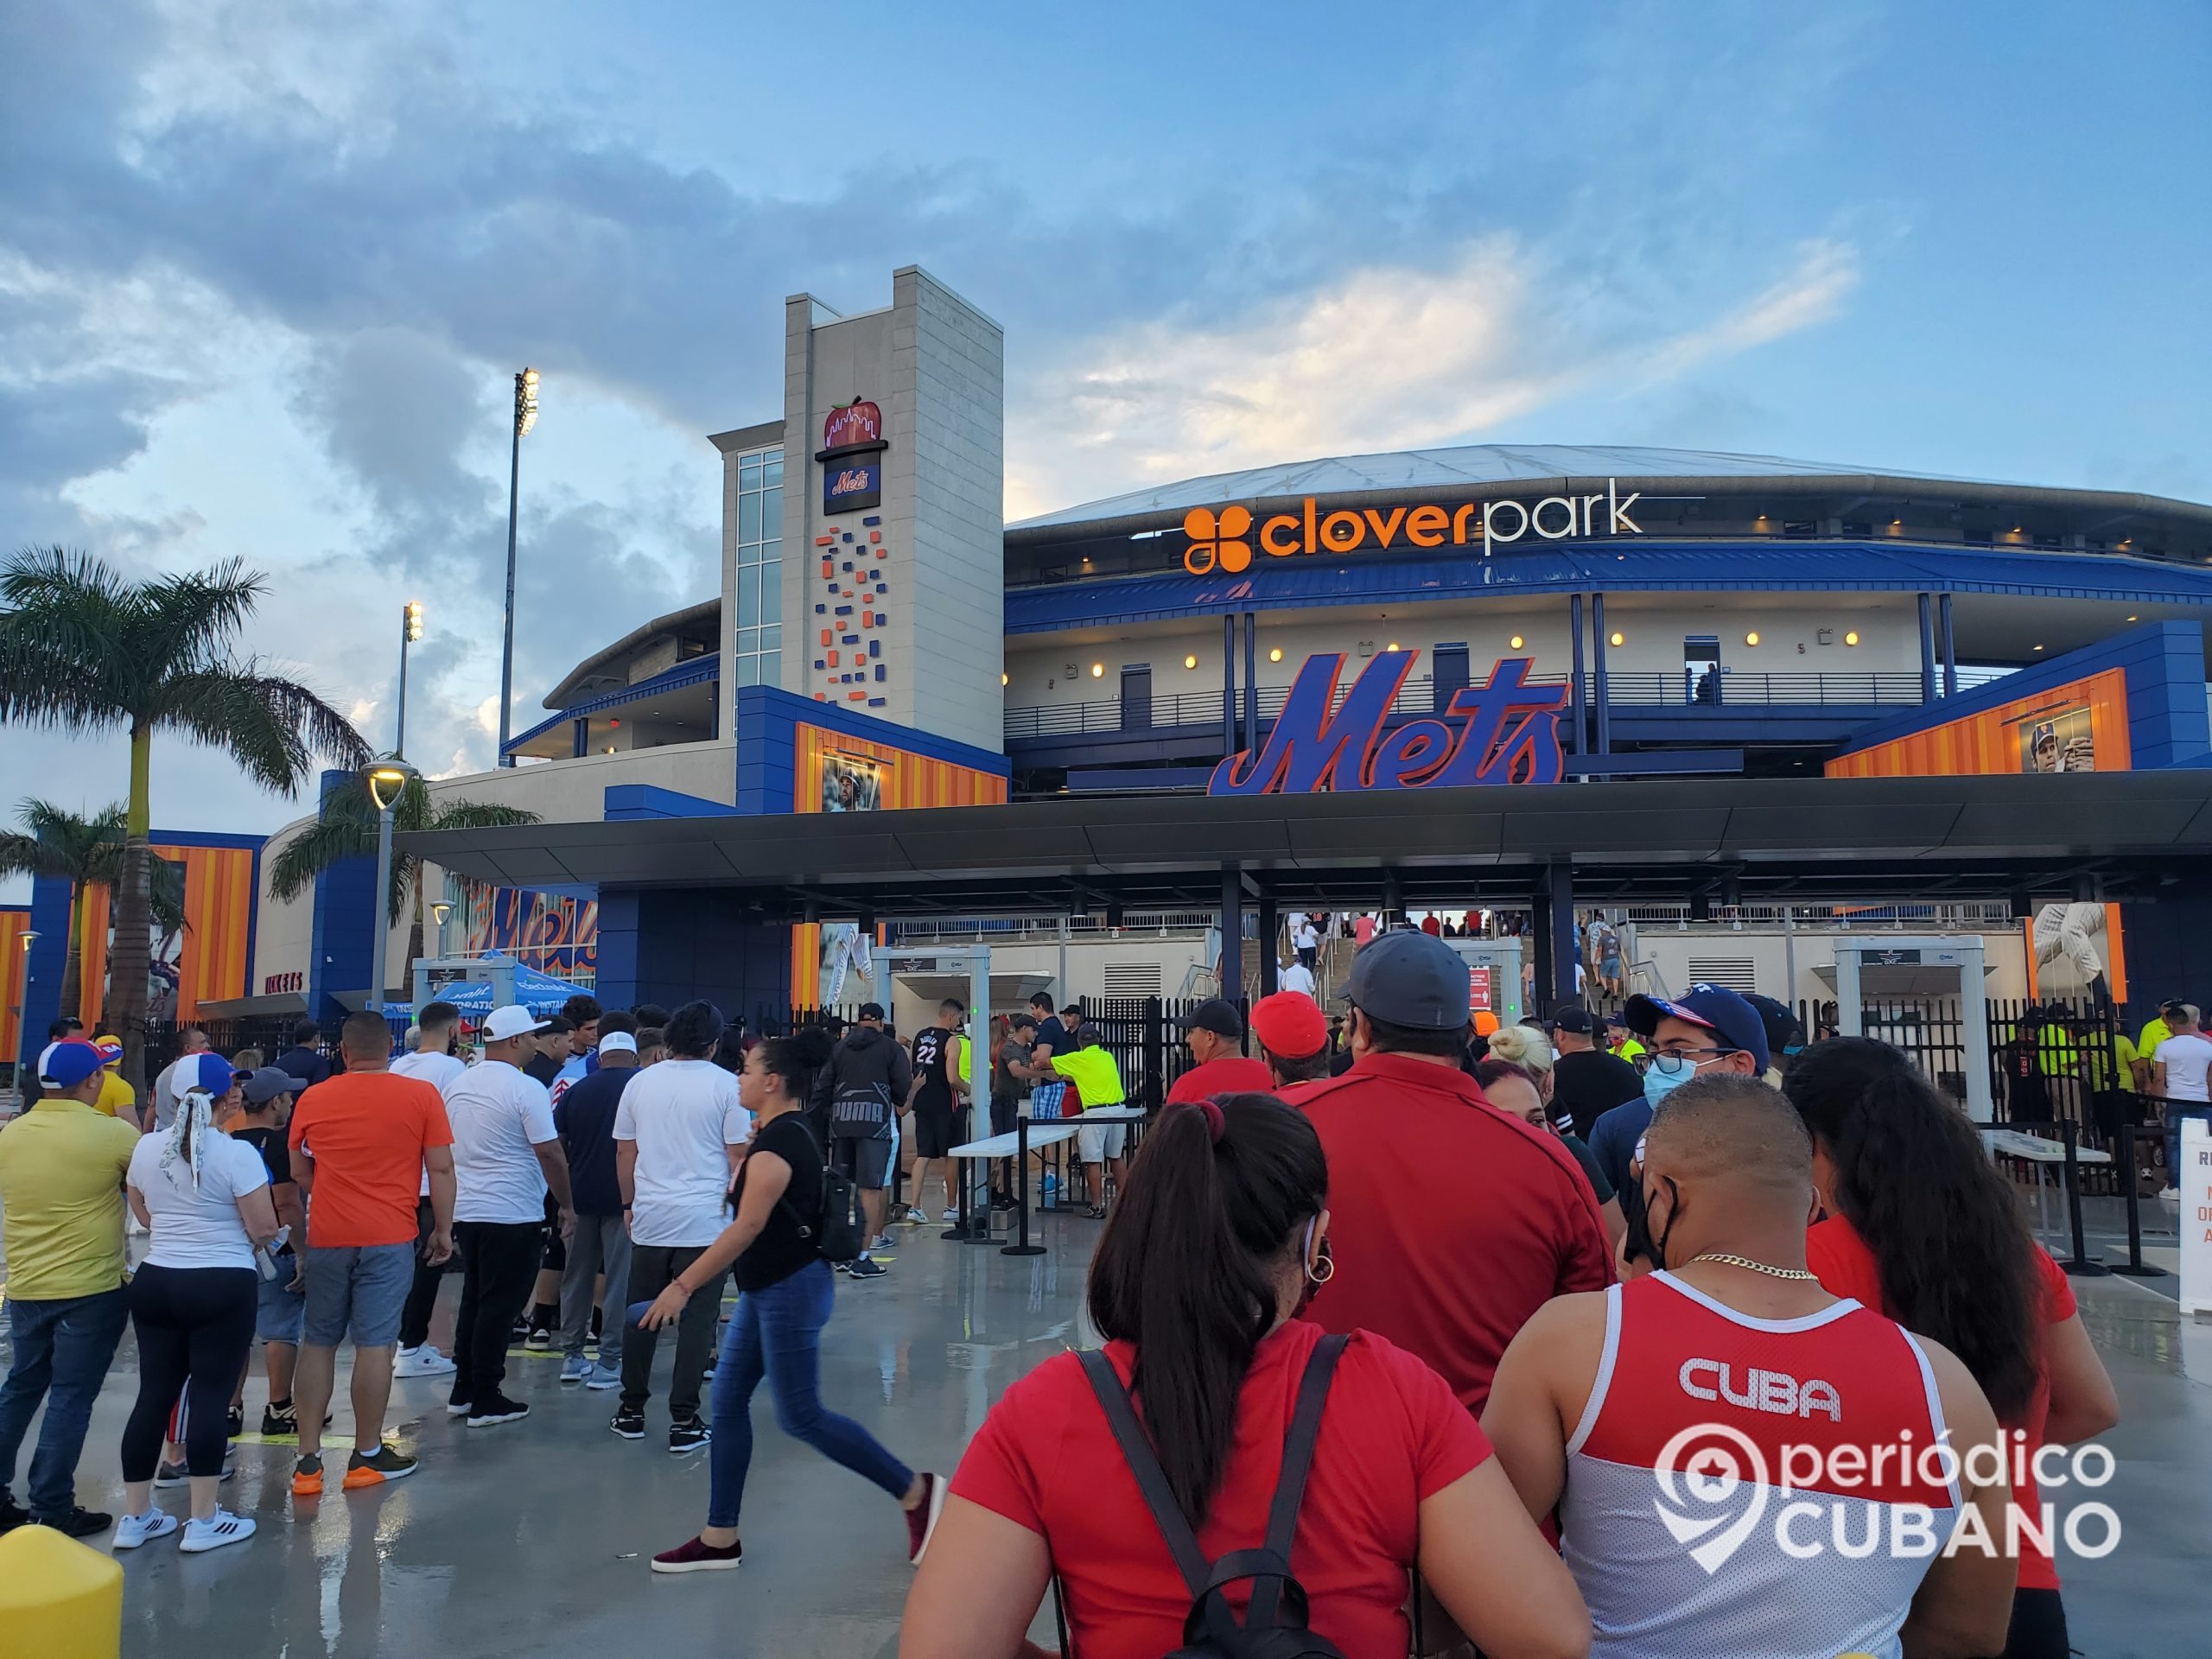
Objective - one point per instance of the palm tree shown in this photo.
(85, 853)
(83, 648)
(346, 828)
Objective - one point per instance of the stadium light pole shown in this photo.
(525, 417)
(29, 937)
(388, 780)
(411, 630)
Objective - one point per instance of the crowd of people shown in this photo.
(1401, 1314)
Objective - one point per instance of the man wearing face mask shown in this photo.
(1709, 1030)
(1732, 1357)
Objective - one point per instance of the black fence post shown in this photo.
(2081, 1266)
(2132, 1266)
(1156, 1052)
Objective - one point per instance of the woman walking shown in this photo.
(1922, 1227)
(776, 1330)
(205, 1199)
(1220, 1238)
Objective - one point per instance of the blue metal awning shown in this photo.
(693, 672)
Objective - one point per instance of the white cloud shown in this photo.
(1382, 358)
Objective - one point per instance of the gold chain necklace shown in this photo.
(1755, 1267)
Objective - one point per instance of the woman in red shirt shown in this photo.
(1921, 1226)
(1221, 1231)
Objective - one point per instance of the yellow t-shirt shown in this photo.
(1096, 1077)
(2154, 1033)
(61, 1169)
(117, 1098)
(1630, 1049)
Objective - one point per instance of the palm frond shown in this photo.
(330, 840)
(189, 619)
(479, 815)
(271, 725)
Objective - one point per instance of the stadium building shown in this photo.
(1643, 628)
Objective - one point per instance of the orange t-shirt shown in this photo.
(366, 1132)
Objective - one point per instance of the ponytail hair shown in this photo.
(1188, 1268)
(794, 1060)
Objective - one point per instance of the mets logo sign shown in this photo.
(1501, 732)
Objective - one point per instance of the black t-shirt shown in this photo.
(1591, 1167)
(782, 1250)
(1588, 1083)
(276, 1152)
(933, 1048)
(544, 1067)
(585, 1117)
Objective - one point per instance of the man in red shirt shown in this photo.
(1214, 1034)
(1452, 1223)
(1294, 1039)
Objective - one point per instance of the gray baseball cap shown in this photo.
(265, 1084)
(1410, 978)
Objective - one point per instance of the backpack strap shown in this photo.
(1297, 1464)
(1166, 1514)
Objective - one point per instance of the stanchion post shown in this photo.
(2080, 1267)
(1022, 1247)
(2132, 1266)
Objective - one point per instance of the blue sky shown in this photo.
(265, 272)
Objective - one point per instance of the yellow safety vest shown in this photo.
(1096, 1077)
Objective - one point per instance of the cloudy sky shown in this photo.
(266, 272)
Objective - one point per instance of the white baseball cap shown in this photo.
(514, 1020)
(618, 1042)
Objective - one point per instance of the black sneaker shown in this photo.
(630, 1423)
(867, 1268)
(280, 1419)
(78, 1522)
(484, 1413)
(538, 1339)
(689, 1435)
(234, 1422)
(12, 1514)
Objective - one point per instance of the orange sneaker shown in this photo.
(307, 1478)
(384, 1464)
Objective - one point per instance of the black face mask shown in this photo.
(1657, 1255)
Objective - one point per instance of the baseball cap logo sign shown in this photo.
(1217, 540)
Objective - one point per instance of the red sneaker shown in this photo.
(697, 1557)
(921, 1519)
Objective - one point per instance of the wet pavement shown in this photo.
(532, 1538)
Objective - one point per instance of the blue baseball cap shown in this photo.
(207, 1071)
(68, 1063)
(1715, 1007)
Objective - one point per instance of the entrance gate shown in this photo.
(1936, 968)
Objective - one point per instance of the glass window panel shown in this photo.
(748, 599)
(748, 518)
(771, 668)
(748, 470)
(775, 470)
(772, 638)
(745, 671)
(771, 512)
(748, 640)
(748, 553)
(772, 548)
(772, 592)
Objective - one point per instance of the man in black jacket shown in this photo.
(866, 1077)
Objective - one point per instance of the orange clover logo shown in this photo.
(1217, 540)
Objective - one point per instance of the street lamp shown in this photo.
(439, 910)
(411, 630)
(525, 417)
(22, 1011)
(388, 781)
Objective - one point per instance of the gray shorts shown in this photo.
(868, 1161)
(279, 1314)
(360, 1289)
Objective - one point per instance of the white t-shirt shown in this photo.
(165, 1100)
(198, 1227)
(1296, 977)
(499, 1114)
(681, 1113)
(2187, 1059)
(1304, 935)
(441, 1072)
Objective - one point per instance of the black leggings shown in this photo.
(2038, 1626)
(195, 1329)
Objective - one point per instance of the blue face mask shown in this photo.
(1658, 1084)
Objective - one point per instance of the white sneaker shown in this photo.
(915, 1218)
(425, 1361)
(218, 1529)
(133, 1530)
(952, 1215)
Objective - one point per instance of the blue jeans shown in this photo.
(777, 1333)
(62, 1351)
(2177, 1110)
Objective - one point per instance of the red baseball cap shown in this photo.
(1291, 1024)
